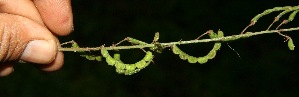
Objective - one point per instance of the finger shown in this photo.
(6, 69)
(22, 38)
(24, 8)
(55, 64)
(56, 14)
(38, 51)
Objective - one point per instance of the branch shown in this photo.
(222, 39)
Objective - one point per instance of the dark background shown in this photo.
(266, 68)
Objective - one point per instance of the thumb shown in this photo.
(22, 38)
(39, 51)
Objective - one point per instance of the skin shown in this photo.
(28, 30)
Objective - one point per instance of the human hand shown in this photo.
(28, 29)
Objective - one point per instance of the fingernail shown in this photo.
(39, 51)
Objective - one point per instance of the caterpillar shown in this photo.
(176, 50)
(192, 59)
(120, 65)
(204, 59)
(130, 67)
(111, 61)
(127, 69)
(184, 56)
(211, 54)
(141, 64)
(104, 53)
(217, 46)
(148, 57)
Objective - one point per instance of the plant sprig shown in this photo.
(222, 39)
(155, 46)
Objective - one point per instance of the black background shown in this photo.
(265, 68)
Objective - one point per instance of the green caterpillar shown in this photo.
(189, 58)
(204, 59)
(127, 69)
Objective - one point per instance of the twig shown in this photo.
(222, 39)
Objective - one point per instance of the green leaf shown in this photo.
(291, 44)
(212, 34)
(220, 34)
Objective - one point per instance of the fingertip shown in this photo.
(56, 64)
(65, 30)
(6, 69)
(57, 15)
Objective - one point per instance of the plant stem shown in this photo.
(222, 39)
